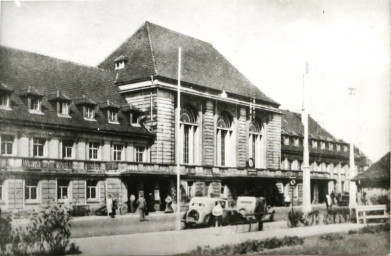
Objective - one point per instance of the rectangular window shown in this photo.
(7, 142)
(38, 147)
(323, 145)
(4, 101)
(1, 189)
(93, 150)
(63, 108)
(67, 149)
(338, 147)
(89, 113)
(92, 189)
(186, 144)
(254, 139)
(314, 144)
(140, 154)
(331, 146)
(134, 118)
(286, 140)
(222, 149)
(296, 142)
(117, 152)
(30, 190)
(345, 148)
(35, 104)
(62, 189)
(113, 116)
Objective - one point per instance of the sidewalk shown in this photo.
(175, 242)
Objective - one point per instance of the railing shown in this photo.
(87, 166)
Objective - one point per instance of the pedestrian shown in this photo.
(115, 207)
(150, 202)
(141, 206)
(328, 201)
(287, 200)
(218, 216)
(364, 198)
(109, 206)
(132, 198)
(168, 208)
(66, 205)
(332, 195)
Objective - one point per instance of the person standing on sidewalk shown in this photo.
(132, 198)
(218, 216)
(109, 206)
(141, 205)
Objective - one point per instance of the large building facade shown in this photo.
(83, 133)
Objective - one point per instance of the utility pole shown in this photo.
(306, 207)
(352, 169)
(177, 146)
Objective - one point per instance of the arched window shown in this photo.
(256, 144)
(189, 136)
(225, 142)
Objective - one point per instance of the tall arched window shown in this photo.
(189, 136)
(256, 143)
(224, 140)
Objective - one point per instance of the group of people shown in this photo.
(141, 205)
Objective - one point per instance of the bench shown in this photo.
(370, 208)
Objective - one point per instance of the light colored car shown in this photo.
(254, 208)
(200, 211)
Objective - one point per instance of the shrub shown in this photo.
(47, 233)
(250, 246)
(332, 237)
(337, 215)
(312, 218)
(294, 218)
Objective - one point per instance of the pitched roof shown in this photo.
(379, 172)
(153, 51)
(291, 124)
(21, 70)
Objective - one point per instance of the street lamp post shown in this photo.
(306, 207)
(352, 169)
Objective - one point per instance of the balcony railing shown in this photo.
(87, 166)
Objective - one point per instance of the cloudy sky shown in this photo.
(347, 44)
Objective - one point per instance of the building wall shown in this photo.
(273, 135)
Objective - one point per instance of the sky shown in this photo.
(346, 43)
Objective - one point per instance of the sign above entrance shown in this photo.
(292, 182)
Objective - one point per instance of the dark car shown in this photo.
(343, 200)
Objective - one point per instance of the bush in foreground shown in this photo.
(250, 246)
(47, 233)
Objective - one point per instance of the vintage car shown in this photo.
(200, 212)
(254, 208)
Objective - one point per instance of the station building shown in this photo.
(80, 132)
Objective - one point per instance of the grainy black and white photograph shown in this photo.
(226, 127)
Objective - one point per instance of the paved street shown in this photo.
(130, 223)
(174, 242)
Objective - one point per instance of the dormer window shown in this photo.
(63, 108)
(286, 140)
(34, 100)
(323, 145)
(314, 144)
(35, 105)
(135, 119)
(62, 103)
(5, 92)
(89, 112)
(111, 110)
(113, 116)
(120, 62)
(338, 147)
(88, 108)
(331, 146)
(296, 142)
(345, 148)
(5, 101)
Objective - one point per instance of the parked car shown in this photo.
(343, 200)
(200, 212)
(254, 208)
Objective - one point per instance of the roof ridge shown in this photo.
(151, 47)
(54, 58)
(176, 32)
